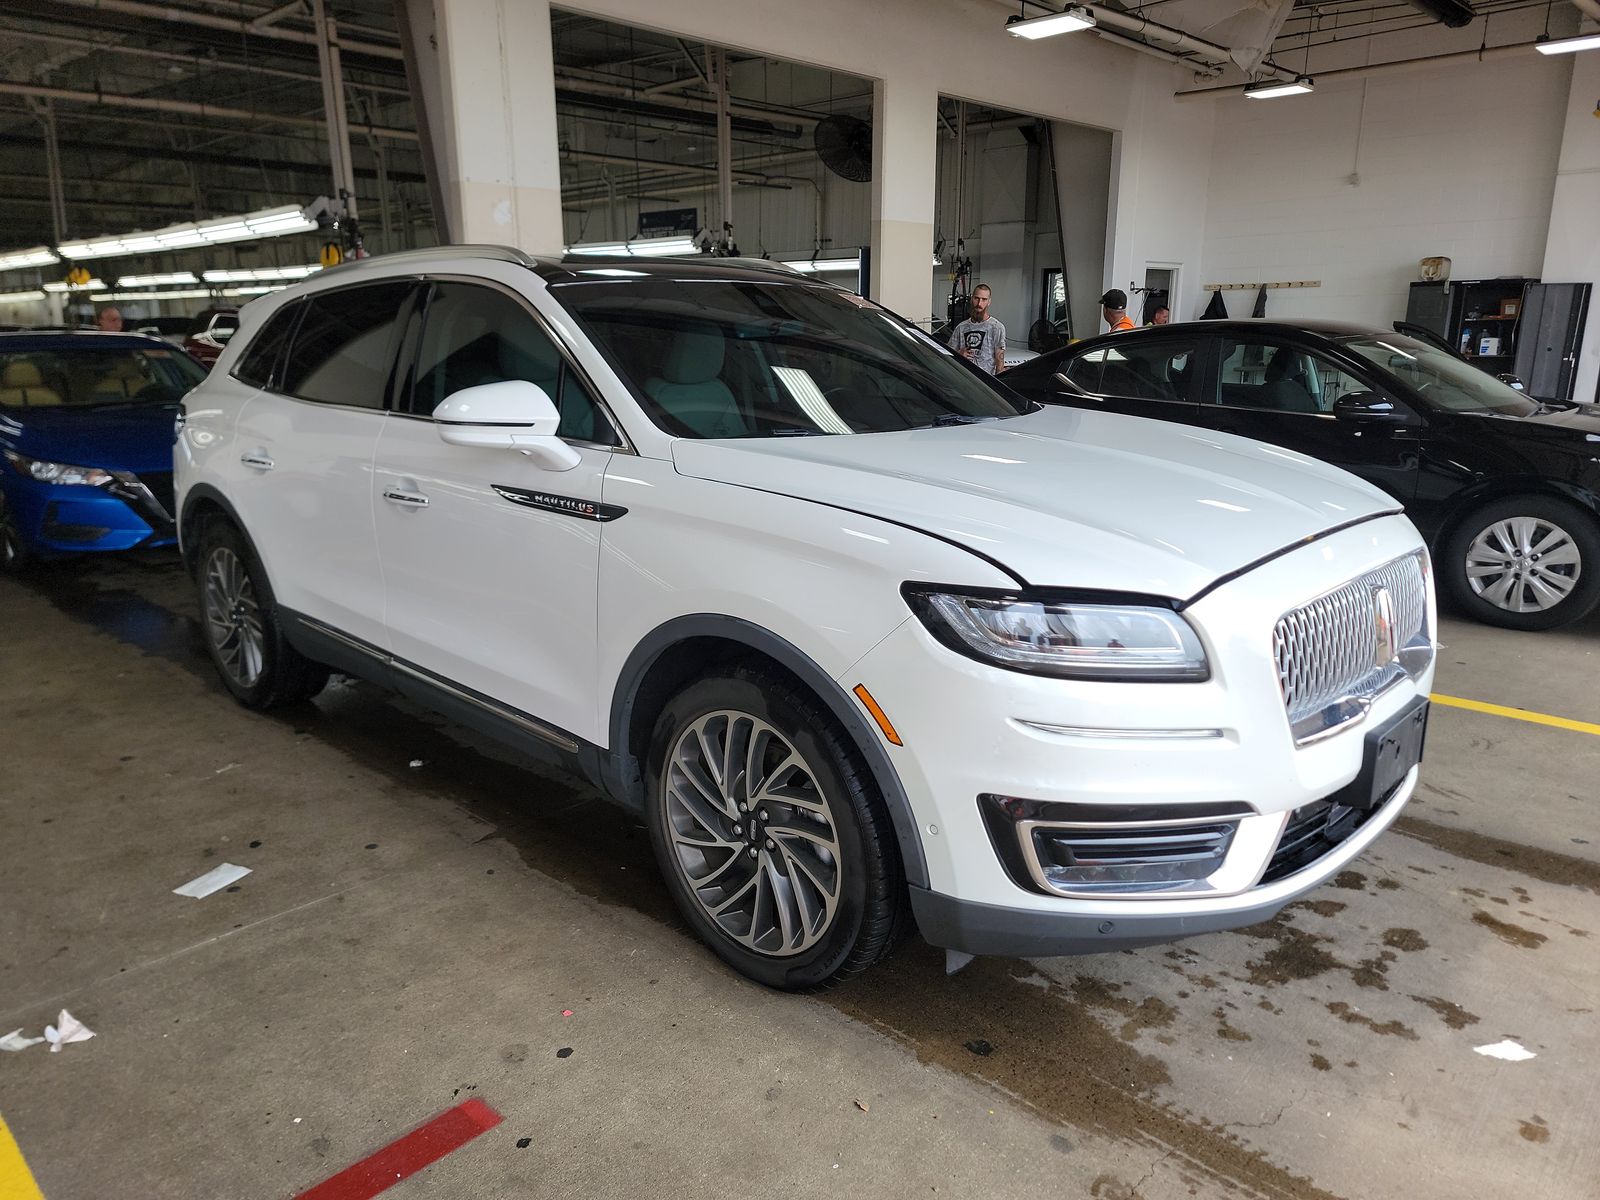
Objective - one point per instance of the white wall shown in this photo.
(1353, 184)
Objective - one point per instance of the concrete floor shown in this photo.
(411, 936)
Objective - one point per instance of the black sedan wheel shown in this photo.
(13, 550)
(1528, 562)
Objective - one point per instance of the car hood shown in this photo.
(134, 438)
(1063, 497)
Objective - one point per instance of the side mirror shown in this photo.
(1512, 381)
(1368, 406)
(511, 415)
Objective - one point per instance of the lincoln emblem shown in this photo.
(1384, 649)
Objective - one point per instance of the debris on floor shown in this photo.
(417, 762)
(1508, 1050)
(862, 1105)
(213, 880)
(14, 1041)
(66, 1029)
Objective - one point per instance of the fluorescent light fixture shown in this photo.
(39, 256)
(812, 266)
(94, 285)
(20, 297)
(268, 222)
(640, 248)
(1571, 45)
(1269, 89)
(133, 281)
(256, 274)
(1070, 20)
(189, 294)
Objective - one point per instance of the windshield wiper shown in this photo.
(797, 431)
(956, 419)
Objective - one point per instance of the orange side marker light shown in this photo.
(878, 714)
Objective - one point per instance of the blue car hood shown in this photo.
(134, 438)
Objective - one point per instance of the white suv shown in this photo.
(862, 635)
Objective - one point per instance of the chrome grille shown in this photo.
(1330, 655)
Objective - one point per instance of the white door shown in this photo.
(490, 560)
(305, 447)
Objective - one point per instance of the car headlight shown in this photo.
(1066, 639)
(52, 472)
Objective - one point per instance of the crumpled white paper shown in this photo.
(66, 1029)
(14, 1041)
(1508, 1050)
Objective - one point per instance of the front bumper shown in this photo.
(971, 730)
(71, 519)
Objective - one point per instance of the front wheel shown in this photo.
(14, 554)
(241, 625)
(771, 833)
(1527, 562)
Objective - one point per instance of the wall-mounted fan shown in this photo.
(845, 146)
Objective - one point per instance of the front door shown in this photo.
(490, 560)
(1281, 393)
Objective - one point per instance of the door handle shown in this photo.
(257, 460)
(405, 499)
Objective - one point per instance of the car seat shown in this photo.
(123, 382)
(692, 392)
(21, 386)
(1281, 390)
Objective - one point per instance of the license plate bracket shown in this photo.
(1391, 752)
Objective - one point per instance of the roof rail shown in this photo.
(508, 254)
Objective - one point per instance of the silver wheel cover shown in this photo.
(1524, 564)
(232, 617)
(752, 834)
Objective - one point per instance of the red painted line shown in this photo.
(450, 1130)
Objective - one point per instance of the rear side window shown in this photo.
(1085, 370)
(260, 361)
(344, 347)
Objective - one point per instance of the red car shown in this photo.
(209, 333)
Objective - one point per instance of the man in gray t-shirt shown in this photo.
(980, 338)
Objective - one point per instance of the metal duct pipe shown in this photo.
(1589, 7)
(1389, 68)
(178, 16)
(1453, 14)
(154, 104)
(568, 83)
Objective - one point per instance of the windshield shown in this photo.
(719, 358)
(1440, 379)
(92, 376)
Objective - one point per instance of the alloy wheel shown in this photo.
(1524, 564)
(752, 833)
(233, 617)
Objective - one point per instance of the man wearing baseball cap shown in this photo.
(1114, 308)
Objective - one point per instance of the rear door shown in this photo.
(305, 447)
(1282, 392)
(490, 561)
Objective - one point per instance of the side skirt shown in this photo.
(483, 714)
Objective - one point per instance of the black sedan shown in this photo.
(1506, 489)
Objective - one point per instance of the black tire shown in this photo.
(283, 675)
(870, 909)
(15, 557)
(1581, 528)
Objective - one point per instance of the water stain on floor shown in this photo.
(1547, 866)
(1534, 1130)
(1354, 1016)
(1451, 1013)
(1514, 935)
(1405, 939)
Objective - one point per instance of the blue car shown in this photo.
(86, 431)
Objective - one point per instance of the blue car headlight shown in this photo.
(53, 472)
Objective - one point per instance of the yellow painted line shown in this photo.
(1517, 714)
(16, 1181)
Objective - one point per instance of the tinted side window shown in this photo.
(1085, 370)
(260, 360)
(1151, 371)
(344, 348)
(475, 335)
(1281, 378)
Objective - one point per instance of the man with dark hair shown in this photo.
(1114, 308)
(981, 339)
